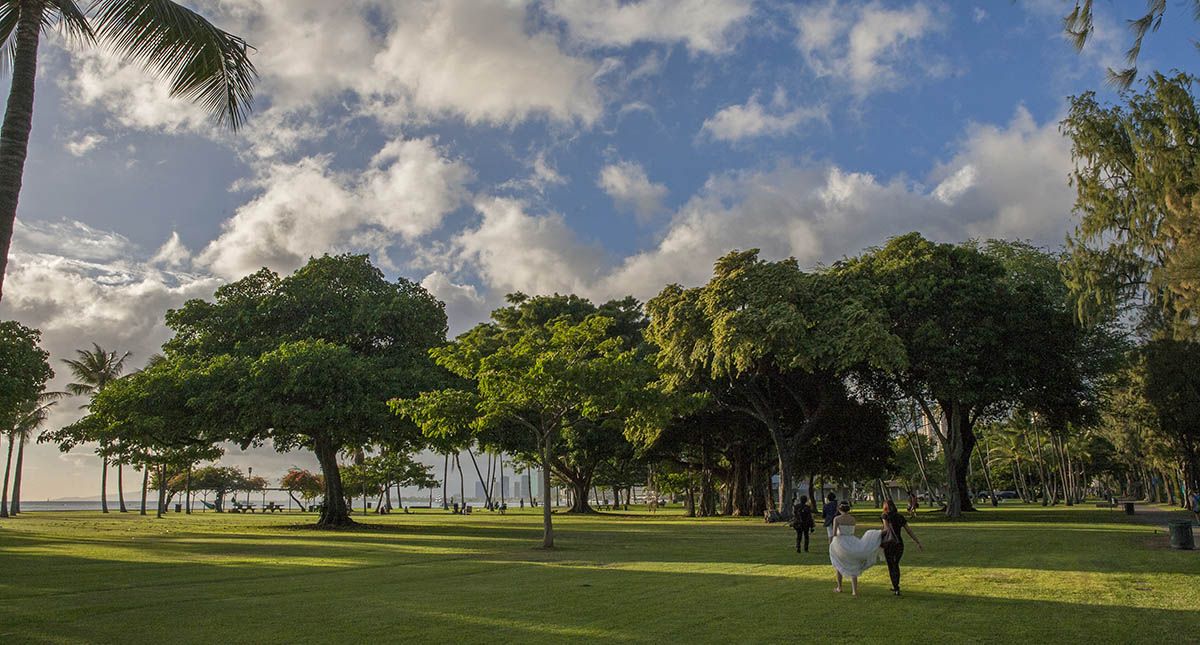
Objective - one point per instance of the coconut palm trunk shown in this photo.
(15, 505)
(7, 468)
(18, 122)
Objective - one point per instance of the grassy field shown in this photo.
(1018, 573)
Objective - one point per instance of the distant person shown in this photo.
(1196, 505)
(522, 502)
(893, 542)
(849, 554)
(454, 505)
(802, 522)
(503, 507)
(913, 504)
(828, 513)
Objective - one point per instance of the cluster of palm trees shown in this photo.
(93, 369)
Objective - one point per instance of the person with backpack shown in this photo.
(803, 523)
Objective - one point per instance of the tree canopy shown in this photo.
(310, 360)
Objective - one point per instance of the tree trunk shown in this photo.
(104, 484)
(960, 441)
(787, 457)
(187, 490)
(462, 483)
(121, 486)
(162, 489)
(445, 478)
(987, 477)
(145, 485)
(18, 121)
(15, 504)
(547, 526)
(487, 488)
(7, 468)
(334, 512)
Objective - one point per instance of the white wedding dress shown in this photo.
(851, 555)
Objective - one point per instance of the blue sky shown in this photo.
(599, 147)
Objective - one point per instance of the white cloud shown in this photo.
(172, 253)
(709, 26)
(475, 59)
(69, 238)
(464, 304)
(114, 298)
(81, 144)
(305, 208)
(1002, 181)
(753, 119)
(979, 15)
(870, 46)
(513, 250)
(410, 187)
(631, 190)
(1017, 174)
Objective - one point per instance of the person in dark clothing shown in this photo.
(893, 544)
(828, 512)
(802, 522)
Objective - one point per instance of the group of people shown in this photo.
(850, 554)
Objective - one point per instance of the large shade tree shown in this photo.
(546, 373)
(310, 360)
(790, 339)
(976, 342)
(202, 63)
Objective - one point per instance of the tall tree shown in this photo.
(24, 370)
(357, 339)
(202, 64)
(1172, 387)
(538, 377)
(790, 339)
(1137, 179)
(94, 369)
(37, 411)
(975, 341)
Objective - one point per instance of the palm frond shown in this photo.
(70, 21)
(10, 12)
(204, 64)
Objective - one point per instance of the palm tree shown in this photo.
(28, 421)
(203, 64)
(94, 369)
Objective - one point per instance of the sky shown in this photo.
(598, 147)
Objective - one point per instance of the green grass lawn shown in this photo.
(1018, 573)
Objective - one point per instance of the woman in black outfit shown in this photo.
(893, 550)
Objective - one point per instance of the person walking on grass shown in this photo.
(828, 513)
(849, 554)
(802, 522)
(893, 543)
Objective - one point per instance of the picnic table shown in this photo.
(271, 507)
(239, 507)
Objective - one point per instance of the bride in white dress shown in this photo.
(849, 554)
